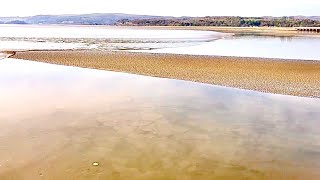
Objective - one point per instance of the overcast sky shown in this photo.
(163, 7)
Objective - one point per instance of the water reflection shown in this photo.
(25, 45)
(2, 56)
(304, 48)
(286, 39)
(110, 32)
(15, 37)
(56, 121)
(267, 37)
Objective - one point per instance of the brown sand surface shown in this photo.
(290, 77)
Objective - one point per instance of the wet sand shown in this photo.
(290, 77)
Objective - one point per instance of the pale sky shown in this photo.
(163, 7)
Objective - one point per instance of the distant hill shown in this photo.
(315, 18)
(15, 22)
(83, 19)
(145, 20)
(6, 19)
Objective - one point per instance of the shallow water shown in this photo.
(56, 121)
(25, 45)
(25, 37)
(97, 37)
(111, 32)
(304, 48)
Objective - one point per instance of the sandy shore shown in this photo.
(291, 77)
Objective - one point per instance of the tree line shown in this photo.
(223, 21)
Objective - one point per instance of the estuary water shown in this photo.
(303, 48)
(26, 37)
(57, 121)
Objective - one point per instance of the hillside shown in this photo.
(85, 19)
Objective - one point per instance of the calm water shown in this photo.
(55, 121)
(98, 37)
(305, 48)
(157, 41)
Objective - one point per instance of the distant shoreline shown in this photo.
(289, 77)
(268, 31)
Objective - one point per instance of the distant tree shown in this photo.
(222, 21)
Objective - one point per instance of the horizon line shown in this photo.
(151, 15)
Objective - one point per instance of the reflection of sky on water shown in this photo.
(255, 46)
(24, 45)
(246, 125)
(14, 37)
(158, 41)
(42, 31)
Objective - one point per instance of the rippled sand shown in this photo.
(291, 77)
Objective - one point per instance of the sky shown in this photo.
(163, 7)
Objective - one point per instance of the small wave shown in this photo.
(132, 48)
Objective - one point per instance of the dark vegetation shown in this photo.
(224, 21)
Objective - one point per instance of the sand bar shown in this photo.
(290, 77)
